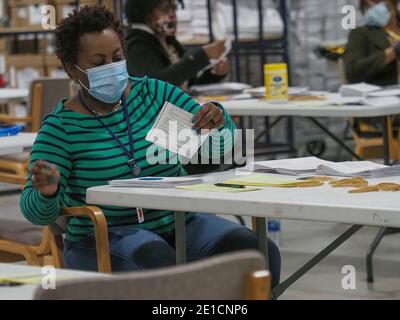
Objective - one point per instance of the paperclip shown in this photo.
(353, 182)
(310, 183)
(365, 189)
(322, 178)
(389, 186)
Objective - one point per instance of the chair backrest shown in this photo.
(44, 96)
(233, 276)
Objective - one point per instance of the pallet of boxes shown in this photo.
(64, 7)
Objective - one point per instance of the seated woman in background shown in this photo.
(373, 51)
(151, 41)
(99, 135)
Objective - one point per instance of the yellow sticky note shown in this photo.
(25, 279)
(262, 180)
(33, 279)
(214, 188)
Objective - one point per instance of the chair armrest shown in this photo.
(12, 178)
(100, 231)
(11, 119)
(258, 285)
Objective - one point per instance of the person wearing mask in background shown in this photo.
(153, 50)
(373, 50)
(372, 55)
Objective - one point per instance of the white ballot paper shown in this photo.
(173, 131)
(228, 49)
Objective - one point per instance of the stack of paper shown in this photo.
(313, 165)
(259, 92)
(296, 166)
(299, 91)
(381, 101)
(156, 182)
(222, 88)
(262, 180)
(214, 188)
(364, 169)
(357, 89)
(386, 92)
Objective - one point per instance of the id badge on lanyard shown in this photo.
(140, 215)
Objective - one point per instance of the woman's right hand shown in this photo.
(215, 50)
(45, 177)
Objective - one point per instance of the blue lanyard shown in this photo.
(136, 170)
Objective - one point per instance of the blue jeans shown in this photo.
(137, 249)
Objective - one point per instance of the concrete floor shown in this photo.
(301, 240)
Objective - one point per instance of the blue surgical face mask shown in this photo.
(378, 16)
(107, 83)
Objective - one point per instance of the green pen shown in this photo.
(227, 185)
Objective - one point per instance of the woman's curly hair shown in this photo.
(88, 19)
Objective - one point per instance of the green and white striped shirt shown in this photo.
(87, 155)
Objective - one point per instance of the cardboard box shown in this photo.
(28, 45)
(23, 68)
(25, 13)
(65, 7)
(53, 66)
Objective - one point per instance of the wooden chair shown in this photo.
(20, 240)
(45, 93)
(233, 276)
(100, 231)
(370, 147)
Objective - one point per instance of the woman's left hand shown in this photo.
(208, 117)
(221, 68)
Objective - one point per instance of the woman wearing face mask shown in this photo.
(372, 56)
(151, 41)
(99, 135)
(373, 50)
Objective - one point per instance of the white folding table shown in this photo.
(17, 144)
(314, 109)
(7, 94)
(324, 204)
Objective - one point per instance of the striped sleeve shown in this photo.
(51, 145)
(221, 141)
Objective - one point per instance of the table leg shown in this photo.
(335, 138)
(261, 230)
(290, 135)
(180, 237)
(281, 288)
(386, 140)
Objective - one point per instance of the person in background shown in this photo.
(373, 50)
(153, 50)
(372, 56)
(98, 135)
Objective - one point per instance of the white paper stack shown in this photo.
(315, 166)
(222, 88)
(156, 182)
(295, 166)
(358, 89)
(366, 169)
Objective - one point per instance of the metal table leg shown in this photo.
(386, 143)
(281, 288)
(261, 230)
(374, 245)
(335, 138)
(290, 135)
(180, 237)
